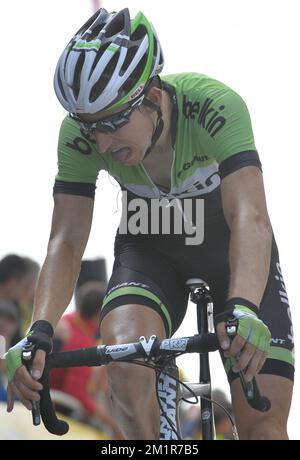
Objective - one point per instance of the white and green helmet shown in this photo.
(108, 62)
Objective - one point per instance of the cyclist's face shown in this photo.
(129, 142)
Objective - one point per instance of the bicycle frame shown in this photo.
(169, 393)
(155, 354)
(200, 296)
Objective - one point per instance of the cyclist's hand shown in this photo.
(21, 383)
(251, 344)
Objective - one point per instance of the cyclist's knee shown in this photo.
(132, 386)
(133, 395)
(131, 382)
(269, 425)
(128, 323)
(268, 428)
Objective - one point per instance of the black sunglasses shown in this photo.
(109, 124)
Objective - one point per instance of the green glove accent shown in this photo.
(13, 358)
(250, 327)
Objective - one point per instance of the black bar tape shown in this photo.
(203, 343)
(77, 358)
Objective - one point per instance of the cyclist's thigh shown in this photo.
(276, 377)
(144, 290)
(279, 391)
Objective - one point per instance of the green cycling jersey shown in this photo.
(212, 136)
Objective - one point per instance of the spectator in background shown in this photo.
(9, 324)
(18, 277)
(13, 271)
(191, 419)
(77, 330)
(222, 421)
(27, 293)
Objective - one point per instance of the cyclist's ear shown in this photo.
(154, 94)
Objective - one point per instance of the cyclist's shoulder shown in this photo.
(193, 81)
(78, 159)
(78, 149)
(70, 134)
(197, 87)
(70, 129)
(69, 125)
(211, 116)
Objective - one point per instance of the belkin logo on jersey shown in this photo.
(207, 116)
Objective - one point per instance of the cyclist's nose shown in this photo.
(103, 142)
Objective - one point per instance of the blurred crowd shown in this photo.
(190, 417)
(81, 393)
(18, 276)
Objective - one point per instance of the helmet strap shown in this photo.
(159, 125)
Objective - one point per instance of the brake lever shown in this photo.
(251, 390)
(27, 358)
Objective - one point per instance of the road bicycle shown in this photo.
(160, 356)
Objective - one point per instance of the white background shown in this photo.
(251, 46)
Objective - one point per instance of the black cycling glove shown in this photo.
(40, 334)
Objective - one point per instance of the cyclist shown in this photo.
(172, 141)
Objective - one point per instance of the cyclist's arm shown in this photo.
(71, 224)
(246, 213)
(245, 210)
